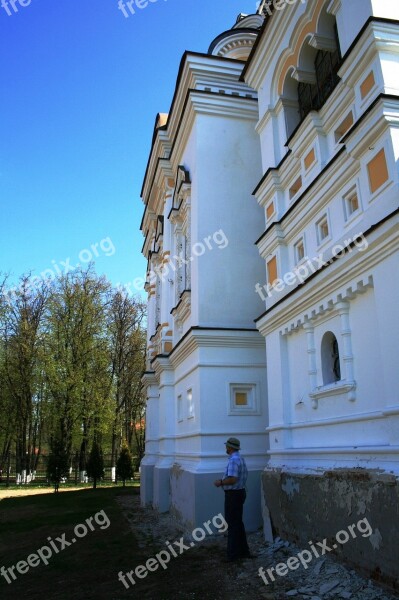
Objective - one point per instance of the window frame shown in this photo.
(298, 260)
(253, 399)
(190, 404)
(346, 198)
(180, 408)
(323, 240)
(331, 373)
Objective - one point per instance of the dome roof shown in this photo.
(237, 42)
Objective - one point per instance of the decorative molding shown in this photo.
(329, 305)
(161, 341)
(322, 42)
(149, 378)
(333, 389)
(253, 406)
(304, 76)
(182, 188)
(182, 310)
(210, 338)
(334, 7)
(353, 418)
(372, 450)
(243, 44)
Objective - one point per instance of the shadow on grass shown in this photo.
(86, 568)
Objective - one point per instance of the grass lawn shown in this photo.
(86, 569)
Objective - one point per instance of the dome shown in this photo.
(237, 42)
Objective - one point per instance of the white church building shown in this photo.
(271, 232)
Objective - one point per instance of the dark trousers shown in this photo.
(237, 545)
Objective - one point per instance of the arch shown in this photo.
(326, 24)
(306, 56)
(290, 103)
(290, 86)
(330, 361)
(292, 60)
(315, 72)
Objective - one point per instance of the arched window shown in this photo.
(307, 98)
(330, 363)
(312, 96)
(290, 103)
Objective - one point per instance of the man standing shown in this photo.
(233, 483)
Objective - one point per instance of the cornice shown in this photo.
(377, 118)
(326, 177)
(196, 338)
(234, 40)
(336, 281)
(149, 378)
(196, 71)
(376, 37)
(210, 104)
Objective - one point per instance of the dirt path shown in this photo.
(33, 491)
(200, 573)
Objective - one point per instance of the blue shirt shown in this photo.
(236, 467)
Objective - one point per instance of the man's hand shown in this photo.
(226, 481)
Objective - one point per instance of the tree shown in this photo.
(72, 354)
(95, 464)
(77, 364)
(127, 344)
(57, 465)
(21, 326)
(124, 465)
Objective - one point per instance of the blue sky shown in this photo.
(80, 87)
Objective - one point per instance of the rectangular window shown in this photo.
(272, 270)
(299, 250)
(309, 159)
(378, 171)
(351, 203)
(343, 127)
(296, 186)
(244, 399)
(240, 398)
(270, 211)
(180, 408)
(190, 404)
(323, 231)
(367, 84)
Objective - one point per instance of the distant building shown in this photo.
(299, 105)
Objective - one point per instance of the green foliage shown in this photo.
(57, 465)
(124, 465)
(72, 353)
(95, 464)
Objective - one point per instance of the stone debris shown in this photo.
(317, 568)
(323, 579)
(327, 587)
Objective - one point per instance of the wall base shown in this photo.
(312, 507)
(161, 495)
(195, 500)
(146, 484)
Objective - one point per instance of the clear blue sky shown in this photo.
(80, 87)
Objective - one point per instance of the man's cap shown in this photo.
(233, 443)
